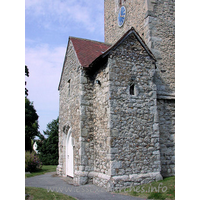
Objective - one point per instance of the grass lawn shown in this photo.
(45, 169)
(43, 194)
(162, 190)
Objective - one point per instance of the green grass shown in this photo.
(45, 169)
(162, 190)
(43, 194)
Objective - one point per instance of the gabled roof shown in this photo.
(113, 47)
(87, 50)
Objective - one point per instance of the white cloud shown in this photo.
(82, 12)
(52, 21)
(45, 65)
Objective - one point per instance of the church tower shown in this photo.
(133, 15)
(154, 20)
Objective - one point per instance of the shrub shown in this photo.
(32, 162)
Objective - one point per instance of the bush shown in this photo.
(32, 162)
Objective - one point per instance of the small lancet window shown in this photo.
(69, 87)
(132, 89)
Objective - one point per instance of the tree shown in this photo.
(31, 119)
(48, 148)
(26, 74)
(31, 124)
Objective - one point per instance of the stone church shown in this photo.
(117, 98)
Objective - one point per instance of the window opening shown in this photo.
(69, 87)
(132, 89)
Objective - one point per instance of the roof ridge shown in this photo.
(120, 40)
(142, 42)
(72, 37)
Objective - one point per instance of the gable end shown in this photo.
(65, 60)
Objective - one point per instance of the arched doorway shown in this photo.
(69, 155)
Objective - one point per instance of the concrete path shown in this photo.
(83, 192)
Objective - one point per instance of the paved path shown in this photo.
(83, 192)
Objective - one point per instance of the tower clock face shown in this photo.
(121, 16)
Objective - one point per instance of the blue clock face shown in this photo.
(121, 16)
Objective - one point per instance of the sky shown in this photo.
(48, 25)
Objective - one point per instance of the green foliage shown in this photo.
(26, 74)
(48, 148)
(31, 119)
(26, 71)
(31, 124)
(32, 162)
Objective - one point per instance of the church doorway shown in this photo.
(69, 155)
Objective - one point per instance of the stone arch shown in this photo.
(66, 128)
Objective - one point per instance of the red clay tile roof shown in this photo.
(88, 50)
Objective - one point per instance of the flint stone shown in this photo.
(116, 164)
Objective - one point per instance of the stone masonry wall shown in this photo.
(166, 110)
(133, 149)
(87, 129)
(159, 35)
(101, 128)
(135, 13)
(154, 20)
(69, 109)
(134, 118)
